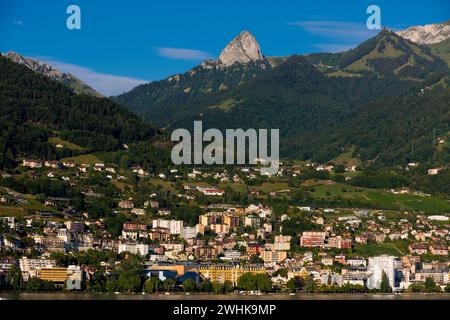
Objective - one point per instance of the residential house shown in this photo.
(439, 250)
(418, 248)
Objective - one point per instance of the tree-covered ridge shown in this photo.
(321, 117)
(65, 78)
(34, 108)
(442, 50)
(392, 130)
(388, 54)
(202, 82)
(385, 55)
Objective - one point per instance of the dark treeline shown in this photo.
(34, 108)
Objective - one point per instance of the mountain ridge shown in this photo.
(35, 108)
(49, 71)
(389, 54)
(314, 107)
(239, 62)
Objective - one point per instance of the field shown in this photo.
(374, 249)
(347, 159)
(383, 199)
(440, 223)
(271, 187)
(65, 144)
(166, 185)
(342, 74)
(109, 156)
(237, 187)
(83, 159)
(20, 211)
(11, 211)
(373, 198)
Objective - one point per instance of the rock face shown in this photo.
(428, 34)
(49, 71)
(242, 49)
(38, 66)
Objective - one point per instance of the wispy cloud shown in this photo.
(337, 36)
(18, 23)
(339, 30)
(106, 84)
(182, 53)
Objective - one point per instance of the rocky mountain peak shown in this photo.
(428, 34)
(15, 57)
(37, 66)
(242, 49)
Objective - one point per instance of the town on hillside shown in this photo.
(313, 228)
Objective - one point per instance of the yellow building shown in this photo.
(207, 219)
(53, 274)
(221, 272)
(179, 268)
(231, 220)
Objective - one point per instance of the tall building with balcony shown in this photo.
(379, 265)
(26, 265)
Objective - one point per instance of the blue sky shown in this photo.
(124, 43)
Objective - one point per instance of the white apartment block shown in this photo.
(175, 226)
(357, 262)
(189, 233)
(376, 267)
(27, 265)
(134, 248)
(282, 243)
(64, 235)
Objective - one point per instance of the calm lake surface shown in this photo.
(181, 297)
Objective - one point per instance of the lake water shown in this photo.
(181, 297)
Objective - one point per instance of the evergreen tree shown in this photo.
(152, 285)
(385, 287)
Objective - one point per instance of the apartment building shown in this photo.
(226, 272)
(134, 226)
(379, 265)
(339, 243)
(270, 256)
(282, 243)
(175, 226)
(27, 265)
(134, 248)
(312, 239)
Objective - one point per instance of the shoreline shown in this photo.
(230, 297)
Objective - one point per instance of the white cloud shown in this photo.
(106, 84)
(342, 35)
(337, 30)
(182, 54)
